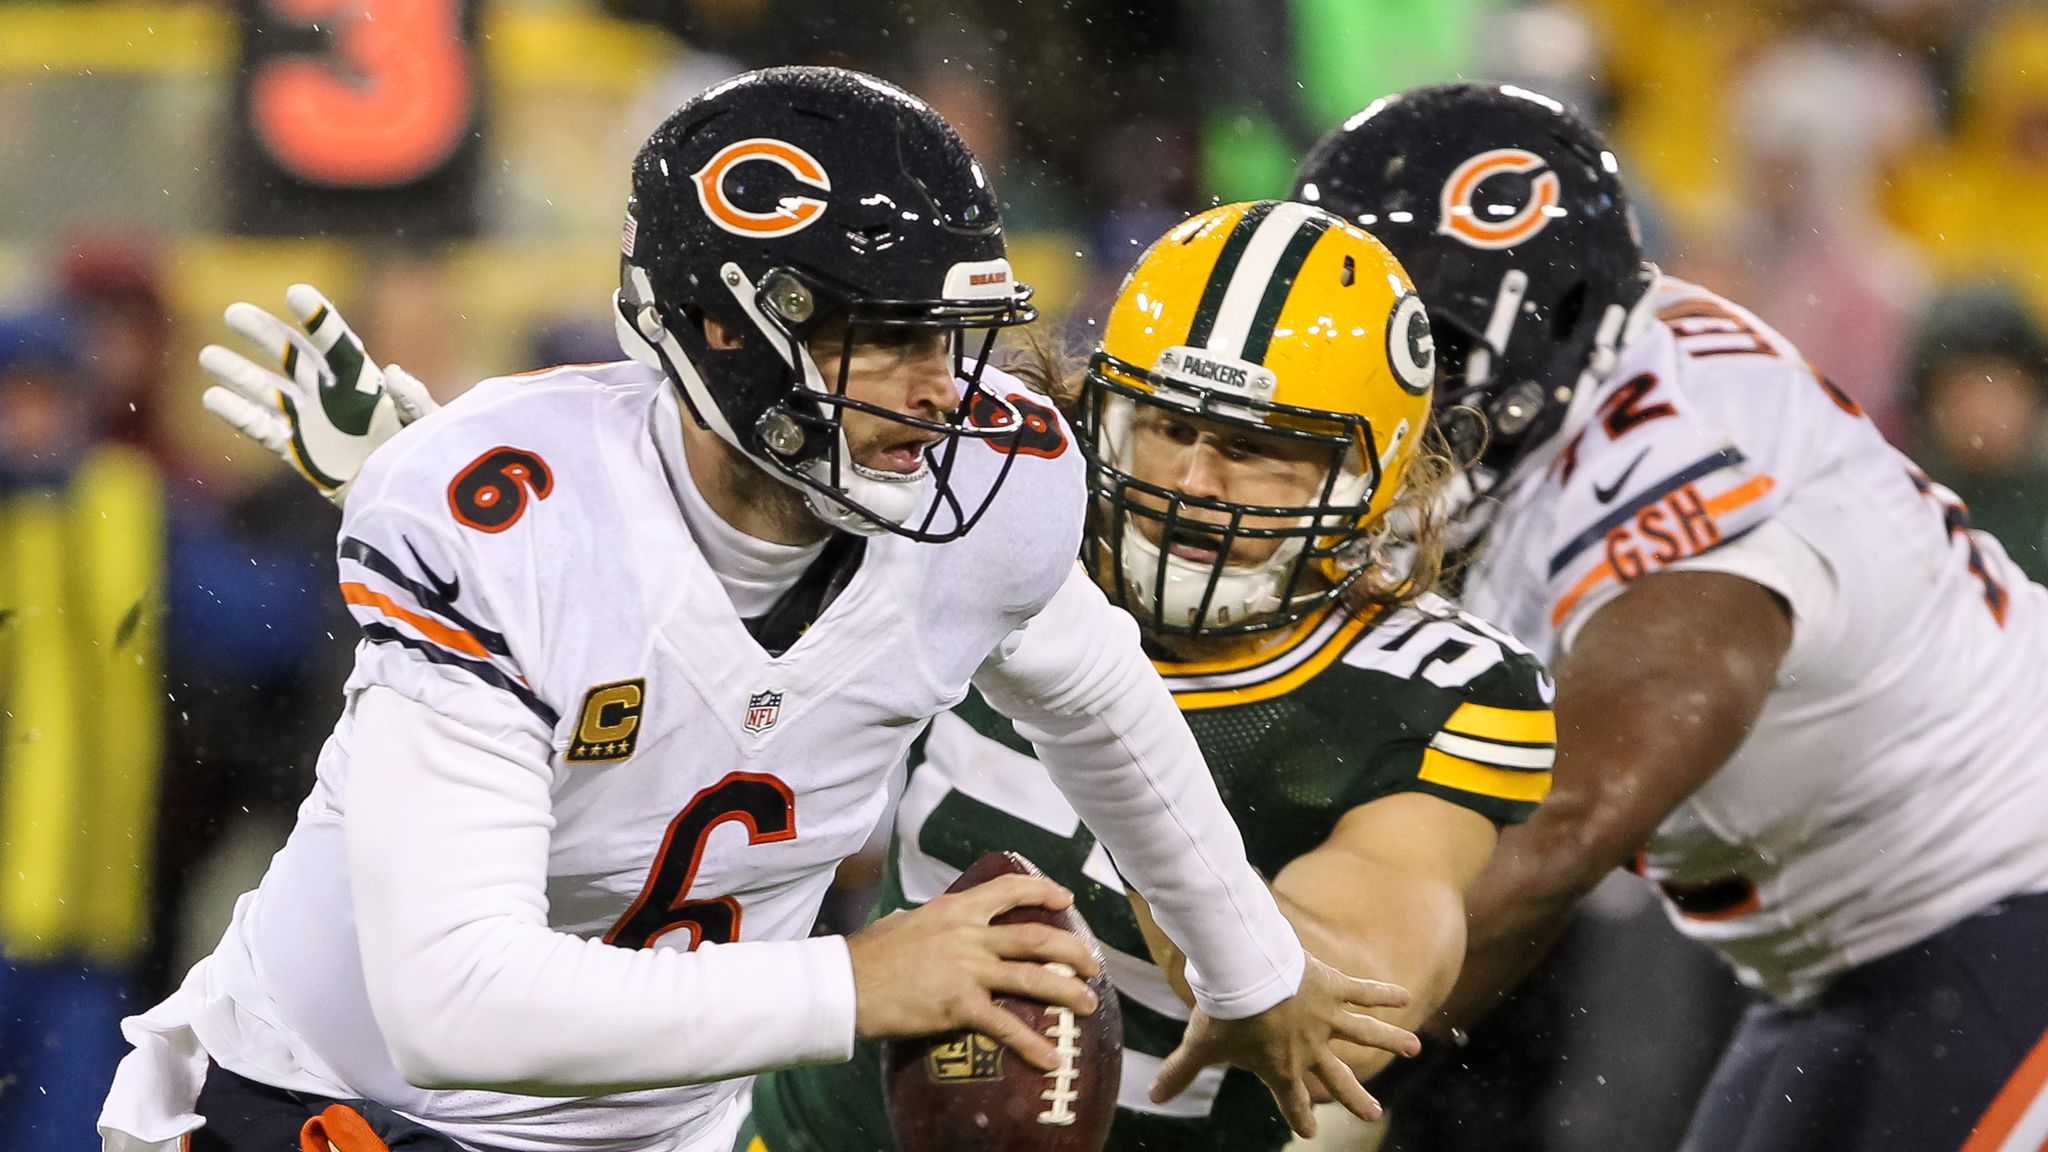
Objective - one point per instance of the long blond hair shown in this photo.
(1407, 548)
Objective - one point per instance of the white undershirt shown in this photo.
(754, 572)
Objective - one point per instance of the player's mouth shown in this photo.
(1195, 545)
(904, 456)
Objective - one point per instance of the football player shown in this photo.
(1368, 737)
(1255, 415)
(642, 645)
(1794, 688)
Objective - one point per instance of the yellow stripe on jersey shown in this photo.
(1302, 673)
(1254, 656)
(1450, 771)
(1515, 725)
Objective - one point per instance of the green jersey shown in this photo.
(1350, 709)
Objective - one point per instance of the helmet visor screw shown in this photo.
(782, 434)
(1517, 409)
(790, 299)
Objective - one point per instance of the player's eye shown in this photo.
(901, 341)
(1169, 427)
(1242, 448)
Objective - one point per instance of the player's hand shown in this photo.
(325, 406)
(1289, 1044)
(938, 968)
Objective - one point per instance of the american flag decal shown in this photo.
(629, 234)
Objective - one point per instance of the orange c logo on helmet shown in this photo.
(1459, 219)
(791, 213)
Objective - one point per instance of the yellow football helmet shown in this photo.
(1278, 318)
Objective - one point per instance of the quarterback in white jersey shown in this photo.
(634, 678)
(1794, 688)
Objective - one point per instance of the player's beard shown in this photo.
(783, 515)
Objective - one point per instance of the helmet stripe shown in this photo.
(1251, 277)
(1226, 264)
(1275, 298)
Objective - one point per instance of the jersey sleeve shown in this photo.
(448, 838)
(1102, 722)
(1483, 740)
(1667, 491)
(434, 621)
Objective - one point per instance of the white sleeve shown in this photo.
(1771, 555)
(1078, 686)
(447, 833)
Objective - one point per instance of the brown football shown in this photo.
(963, 1091)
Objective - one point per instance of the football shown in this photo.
(963, 1090)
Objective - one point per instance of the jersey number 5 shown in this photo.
(762, 803)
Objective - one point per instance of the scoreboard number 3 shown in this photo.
(389, 104)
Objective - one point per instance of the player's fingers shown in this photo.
(1012, 1033)
(1372, 1032)
(245, 378)
(270, 335)
(1362, 993)
(317, 315)
(1291, 1093)
(1181, 1066)
(1046, 983)
(1342, 1084)
(1046, 944)
(280, 342)
(1006, 892)
(408, 395)
(267, 426)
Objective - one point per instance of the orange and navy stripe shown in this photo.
(1707, 466)
(1740, 496)
(433, 627)
(2017, 1120)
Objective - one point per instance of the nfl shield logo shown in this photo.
(763, 710)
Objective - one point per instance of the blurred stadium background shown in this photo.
(1868, 174)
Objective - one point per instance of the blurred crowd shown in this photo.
(1865, 173)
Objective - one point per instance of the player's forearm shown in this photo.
(510, 1007)
(447, 836)
(1157, 812)
(1405, 933)
(1660, 689)
(1415, 943)
(1515, 912)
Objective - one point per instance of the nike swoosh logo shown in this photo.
(1607, 492)
(446, 589)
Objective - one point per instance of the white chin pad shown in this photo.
(1242, 591)
(893, 497)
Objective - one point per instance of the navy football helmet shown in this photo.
(1509, 213)
(793, 204)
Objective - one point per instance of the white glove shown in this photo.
(331, 406)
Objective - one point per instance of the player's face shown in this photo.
(1214, 461)
(903, 370)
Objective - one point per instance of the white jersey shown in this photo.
(520, 569)
(1896, 780)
